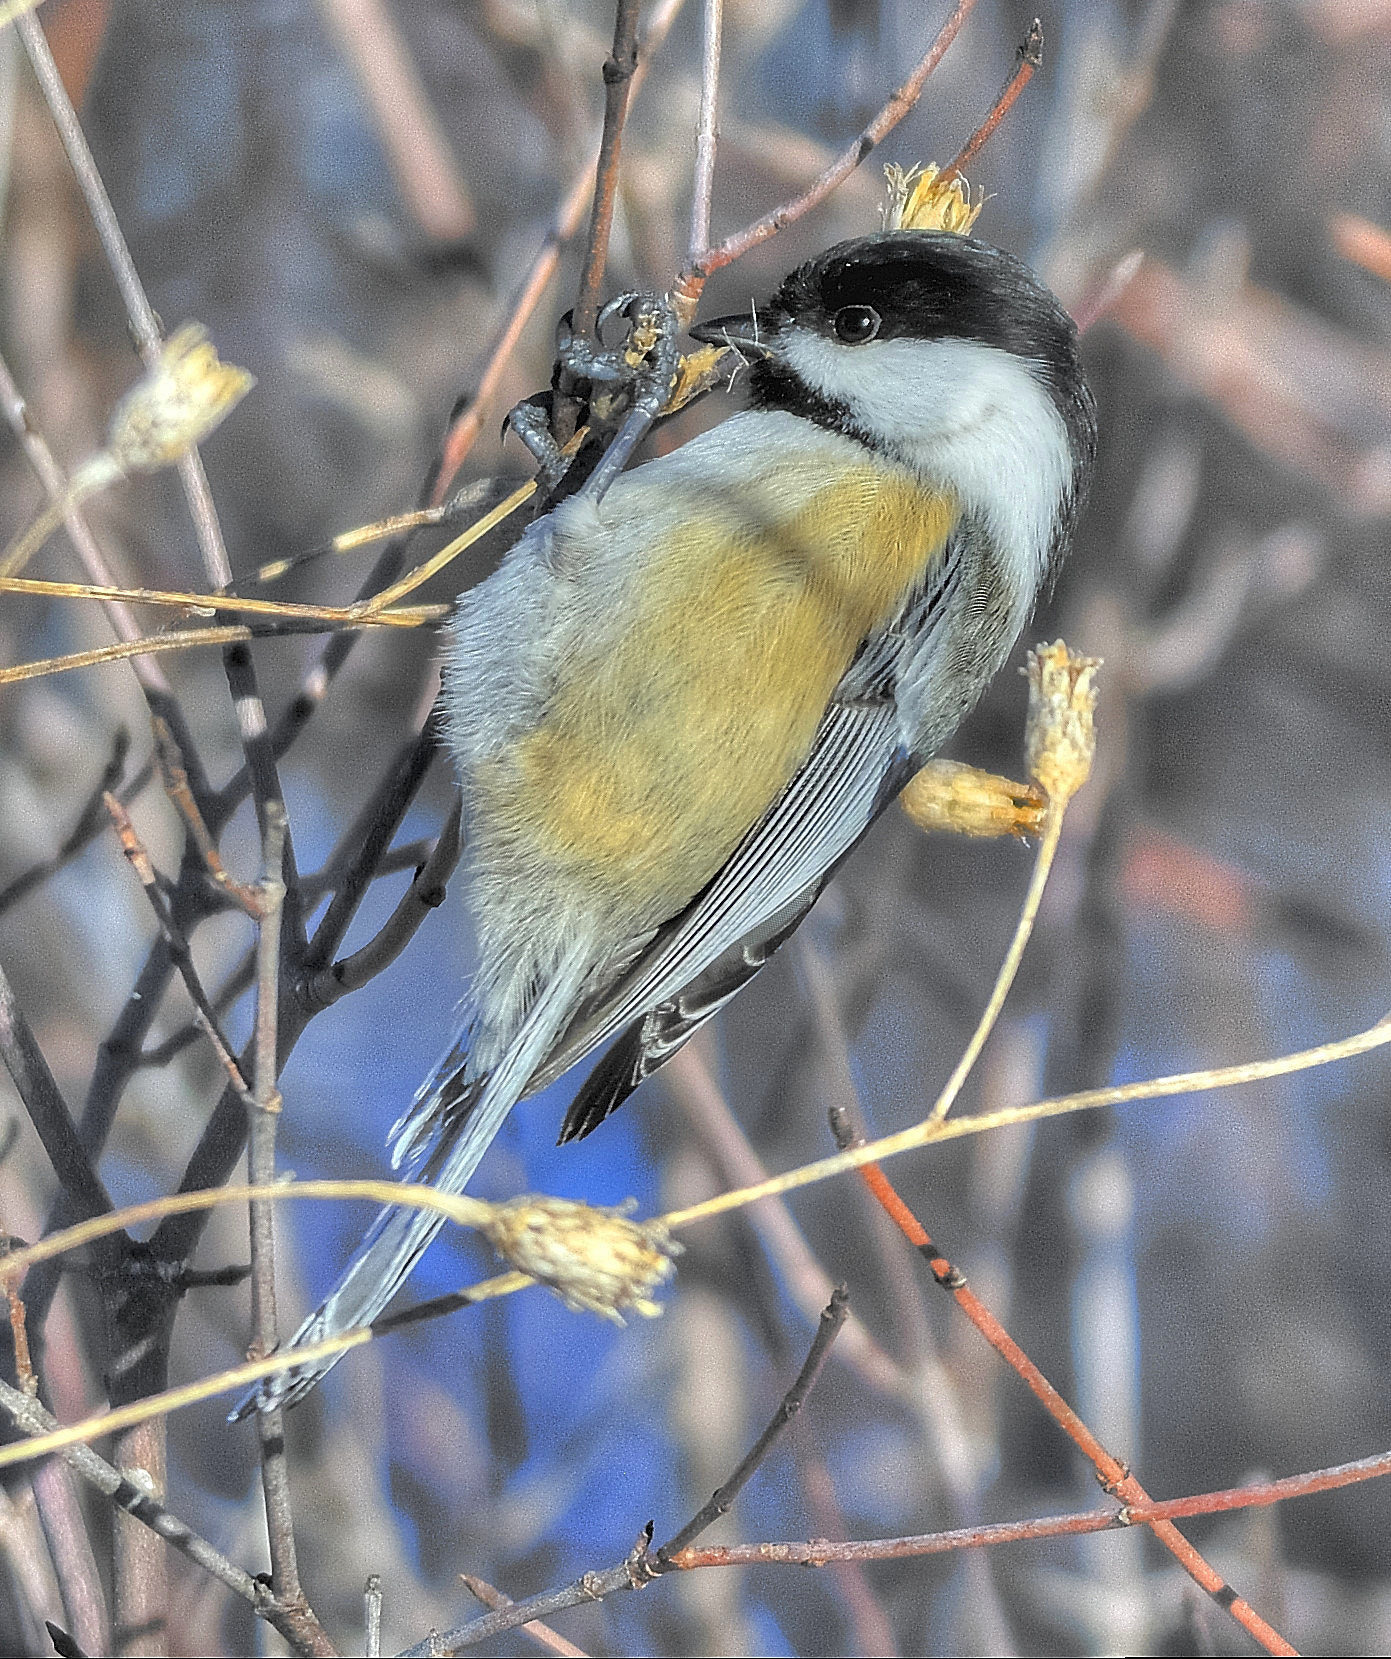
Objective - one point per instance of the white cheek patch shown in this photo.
(967, 415)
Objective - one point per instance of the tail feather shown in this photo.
(399, 1237)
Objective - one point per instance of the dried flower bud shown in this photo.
(1059, 734)
(176, 404)
(593, 1259)
(921, 199)
(946, 795)
(697, 372)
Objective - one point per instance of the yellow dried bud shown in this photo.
(593, 1259)
(946, 795)
(922, 199)
(176, 404)
(699, 371)
(1059, 733)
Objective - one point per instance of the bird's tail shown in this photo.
(399, 1237)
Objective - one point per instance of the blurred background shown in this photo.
(348, 194)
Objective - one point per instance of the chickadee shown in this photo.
(676, 710)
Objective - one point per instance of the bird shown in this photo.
(674, 711)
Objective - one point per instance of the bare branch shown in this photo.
(618, 75)
(688, 286)
(828, 1328)
(707, 131)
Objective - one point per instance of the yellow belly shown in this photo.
(657, 755)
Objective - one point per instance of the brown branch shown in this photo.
(833, 1316)
(265, 1116)
(1110, 1471)
(619, 67)
(687, 288)
(548, 1640)
(1030, 59)
(70, 1545)
(468, 423)
(180, 952)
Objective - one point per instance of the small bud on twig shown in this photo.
(595, 1260)
(1060, 734)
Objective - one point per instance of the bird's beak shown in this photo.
(746, 332)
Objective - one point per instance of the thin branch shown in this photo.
(265, 1117)
(48, 1111)
(425, 893)
(180, 952)
(1115, 1478)
(32, 1419)
(91, 821)
(70, 1544)
(548, 1640)
(371, 835)
(241, 675)
(1030, 59)
(828, 1328)
(619, 67)
(707, 131)
(929, 1134)
(466, 426)
(1023, 928)
(688, 285)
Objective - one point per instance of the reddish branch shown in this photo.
(687, 287)
(1115, 1478)
(1030, 58)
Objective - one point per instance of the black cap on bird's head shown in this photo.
(910, 286)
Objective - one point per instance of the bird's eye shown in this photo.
(855, 324)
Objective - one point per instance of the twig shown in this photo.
(205, 1015)
(32, 1419)
(689, 284)
(179, 640)
(828, 1328)
(548, 1640)
(241, 675)
(1024, 927)
(633, 1573)
(466, 426)
(1111, 1472)
(91, 821)
(265, 1116)
(425, 893)
(1030, 58)
(372, 1610)
(618, 75)
(235, 1379)
(48, 1111)
(371, 834)
(231, 603)
(928, 1134)
(707, 131)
